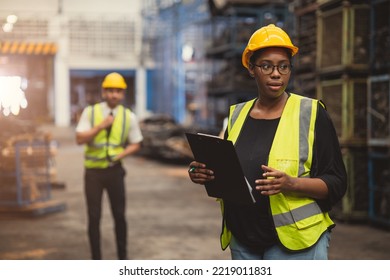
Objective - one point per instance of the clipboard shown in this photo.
(220, 156)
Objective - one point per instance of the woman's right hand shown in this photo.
(199, 174)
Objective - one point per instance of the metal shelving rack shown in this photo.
(333, 65)
(25, 175)
(379, 186)
(378, 118)
(305, 63)
(230, 82)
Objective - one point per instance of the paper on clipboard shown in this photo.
(220, 156)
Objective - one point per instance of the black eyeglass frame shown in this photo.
(290, 66)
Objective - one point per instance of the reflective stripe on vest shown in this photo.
(100, 148)
(291, 152)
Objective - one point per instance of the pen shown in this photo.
(192, 169)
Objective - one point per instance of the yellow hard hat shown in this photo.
(265, 37)
(114, 80)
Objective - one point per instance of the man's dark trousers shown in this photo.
(112, 180)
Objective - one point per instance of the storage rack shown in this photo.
(379, 186)
(25, 174)
(333, 65)
(378, 118)
(25, 187)
(230, 82)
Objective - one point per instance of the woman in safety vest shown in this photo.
(110, 132)
(290, 154)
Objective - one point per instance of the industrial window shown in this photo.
(102, 37)
(27, 30)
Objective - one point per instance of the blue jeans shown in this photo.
(318, 252)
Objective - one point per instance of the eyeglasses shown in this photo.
(267, 68)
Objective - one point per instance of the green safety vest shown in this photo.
(102, 147)
(298, 220)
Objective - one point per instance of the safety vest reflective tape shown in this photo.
(296, 215)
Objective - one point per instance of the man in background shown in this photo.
(109, 132)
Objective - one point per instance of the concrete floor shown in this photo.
(169, 218)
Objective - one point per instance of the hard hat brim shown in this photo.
(246, 55)
(114, 80)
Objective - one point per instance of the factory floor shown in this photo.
(169, 218)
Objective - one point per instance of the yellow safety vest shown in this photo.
(298, 220)
(102, 147)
